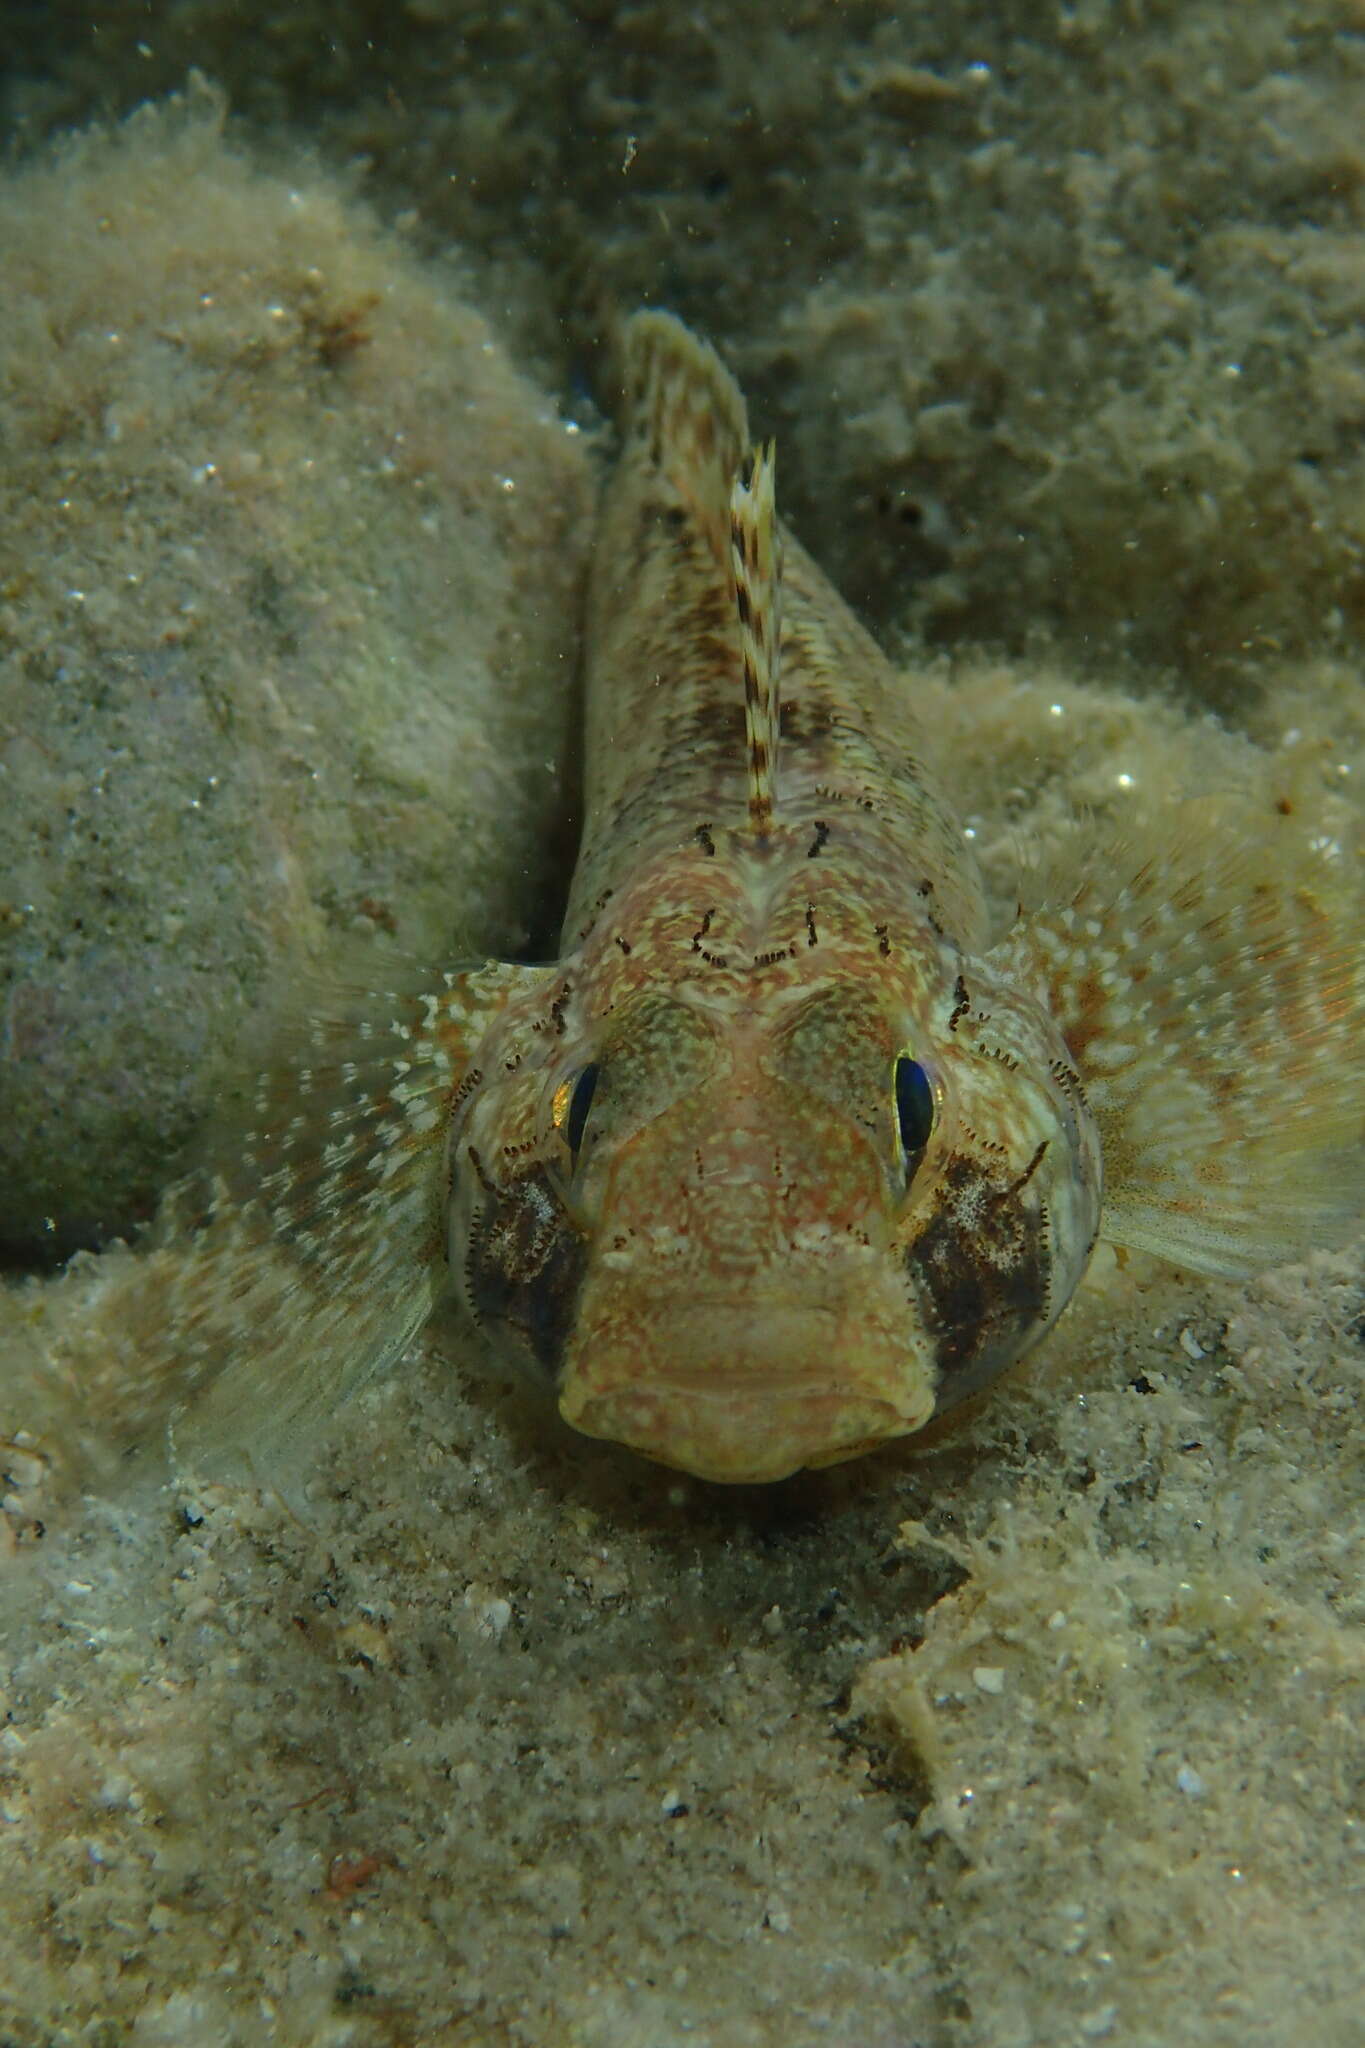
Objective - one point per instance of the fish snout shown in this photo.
(743, 1391)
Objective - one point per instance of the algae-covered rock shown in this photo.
(288, 569)
(1056, 310)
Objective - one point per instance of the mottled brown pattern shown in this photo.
(985, 1287)
(523, 1270)
(838, 1160)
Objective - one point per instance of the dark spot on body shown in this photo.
(1017, 1187)
(595, 913)
(821, 839)
(714, 721)
(711, 959)
(702, 835)
(804, 719)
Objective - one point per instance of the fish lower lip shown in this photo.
(749, 1431)
(746, 1383)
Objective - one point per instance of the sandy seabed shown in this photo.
(1042, 1730)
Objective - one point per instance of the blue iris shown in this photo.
(914, 1108)
(585, 1087)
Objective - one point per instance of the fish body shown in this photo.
(763, 1261)
(786, 1151)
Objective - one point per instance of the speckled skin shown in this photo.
(737, 1270)
(674, 1174)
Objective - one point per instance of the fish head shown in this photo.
(774, 1239)
(1000, 1155)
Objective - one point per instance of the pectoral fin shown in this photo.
(1214, 1009)
(305, 1255)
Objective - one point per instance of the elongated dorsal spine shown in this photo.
(756, 559)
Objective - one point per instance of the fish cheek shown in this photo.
(982, 1272)
(524, 1267)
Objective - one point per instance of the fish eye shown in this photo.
(572, 1104)
(914, 1108)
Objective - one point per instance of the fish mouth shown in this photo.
(766, 1432)
(744, 1388)
(739, 1419)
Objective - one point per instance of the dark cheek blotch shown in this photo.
(984, 1288)
(524, 1271)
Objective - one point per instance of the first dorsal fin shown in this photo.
(686, 414)
(756, 559)
(686, 419)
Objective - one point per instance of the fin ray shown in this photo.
(330, 1244)
(685, 416)
(1214, 1010)
(756, 559)
(301, 1260)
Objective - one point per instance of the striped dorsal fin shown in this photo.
(756, 559)
(685, 413)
